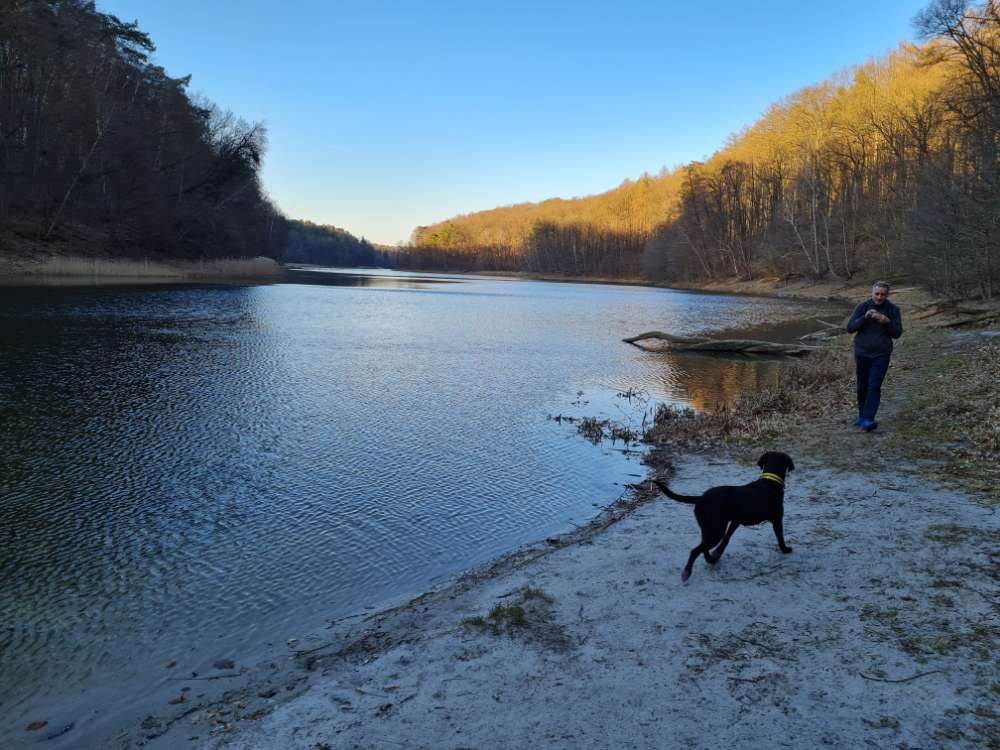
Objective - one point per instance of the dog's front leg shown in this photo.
(714, 556)
(779, 533)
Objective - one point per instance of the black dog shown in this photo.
(748, 505)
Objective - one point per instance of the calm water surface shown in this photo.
(196, 473)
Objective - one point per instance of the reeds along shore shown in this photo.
(55, 270)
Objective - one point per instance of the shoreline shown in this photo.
(797, 288)
(79, 270)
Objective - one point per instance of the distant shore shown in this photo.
(793, 287)
(76, 270)
(71, 267)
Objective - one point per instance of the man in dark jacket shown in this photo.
(875, 323)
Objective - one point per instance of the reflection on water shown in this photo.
(194, 473)
(374, 278)
(709, 380)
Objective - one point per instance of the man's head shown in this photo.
(880, 292)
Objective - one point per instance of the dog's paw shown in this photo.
(685, 574)
(786, 550)
(712, 559)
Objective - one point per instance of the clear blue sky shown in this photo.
(386, 115)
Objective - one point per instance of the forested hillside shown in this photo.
(601, 235)
(324, 245)
(100, 146)
(889, 168)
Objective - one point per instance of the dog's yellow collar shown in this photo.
(773, 478)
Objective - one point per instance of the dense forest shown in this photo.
(324, 245)
(888, 169)
(100, 146)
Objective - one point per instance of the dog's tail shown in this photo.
(673, 495)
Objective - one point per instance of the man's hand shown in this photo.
(877, 316)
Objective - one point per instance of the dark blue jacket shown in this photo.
(871, 338)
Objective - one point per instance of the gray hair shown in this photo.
(882, 284)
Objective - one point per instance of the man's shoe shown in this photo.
(868, 425)
(857, 422)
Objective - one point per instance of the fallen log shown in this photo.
(707, 345)
(821, 337)
(967, 321)
(957, 309)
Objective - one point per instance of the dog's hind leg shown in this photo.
(702, 548)
(779, 533)
(714, 557)
(686, 573)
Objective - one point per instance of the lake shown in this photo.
(194, 473)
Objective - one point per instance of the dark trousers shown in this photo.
(871, 372)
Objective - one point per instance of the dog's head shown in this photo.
(776, 463)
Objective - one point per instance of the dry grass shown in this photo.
(958, 402)
(596, 430)
(61, 266)
(952, 418)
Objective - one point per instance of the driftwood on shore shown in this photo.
(707, 345)
(959, 314)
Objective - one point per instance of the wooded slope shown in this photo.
(324, 245)
(886, 169)
(101, 148)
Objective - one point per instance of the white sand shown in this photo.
(890, 579)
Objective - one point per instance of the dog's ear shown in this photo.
(791, 464)
(763, 459)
